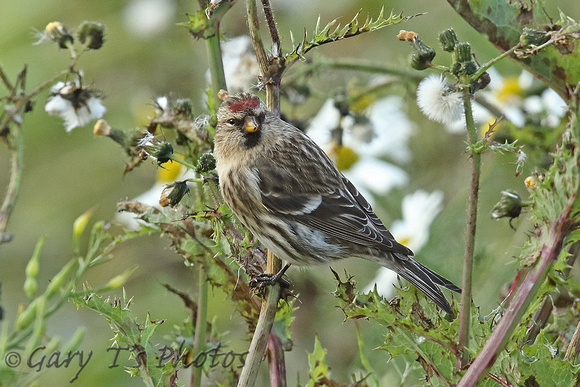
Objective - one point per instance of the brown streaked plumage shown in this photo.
(291, 196)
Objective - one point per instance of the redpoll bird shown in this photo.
(291, 196)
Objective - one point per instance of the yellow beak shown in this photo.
(250, 124)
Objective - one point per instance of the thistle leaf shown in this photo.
(339, 32)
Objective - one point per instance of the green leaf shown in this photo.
(318, 369)
(352, 28)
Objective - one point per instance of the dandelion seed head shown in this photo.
(438, 101)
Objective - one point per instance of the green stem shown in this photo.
(493, 61)
(355, 64)
(216, 68)
(465, 311)
(185, 164)
(200, 323)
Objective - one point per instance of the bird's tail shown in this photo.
(423, 278)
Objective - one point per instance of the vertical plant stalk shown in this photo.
(265, 63)
(16, 168)
(17, 158)
(521, 300)
(574, 345)
(216, 67)
(200, 323)
(261, 336)
(466, 282)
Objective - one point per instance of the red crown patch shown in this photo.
(248, 103)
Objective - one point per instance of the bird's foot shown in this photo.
(264, 280)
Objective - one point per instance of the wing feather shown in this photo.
(326, 201)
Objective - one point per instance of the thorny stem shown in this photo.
(265, 63)
(276, 48)
(521, 300)
(466, 282)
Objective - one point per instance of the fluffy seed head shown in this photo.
(438, 101)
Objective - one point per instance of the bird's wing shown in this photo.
(322, 198)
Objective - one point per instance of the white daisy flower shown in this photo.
(359, 157)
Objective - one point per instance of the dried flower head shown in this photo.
(76, 105)
(173, 193)
(161, 151)
(56, 32)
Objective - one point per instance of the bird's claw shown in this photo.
(264, 280)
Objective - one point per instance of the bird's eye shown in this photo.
(232, 121)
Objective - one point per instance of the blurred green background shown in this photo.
(67, 173)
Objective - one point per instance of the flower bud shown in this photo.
(53, 345)
(463, 52)
(212, 120)
(58, 33)
(533, 37)
(119, 280)
(102, 128)
(422, 56)
(470, 68)
(510, 205)
(92, 34)
(30, 286)
(448, 40)
(173, 193)
(39, 328)
(205, 163)
(58, 280)
(26, 317)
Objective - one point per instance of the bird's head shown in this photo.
(240, 120)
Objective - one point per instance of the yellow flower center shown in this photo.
(344, 157)
(510, 89)
(404, 240)
(169, 172)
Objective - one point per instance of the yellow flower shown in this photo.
(510, 90)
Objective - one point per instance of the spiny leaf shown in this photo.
(352, 28)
